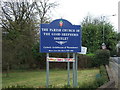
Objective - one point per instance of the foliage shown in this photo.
(103, 72)
(102, 79)
(43, 8)
(92, 34)
(118, 37)
(90, 54)
(40, 59)
(16, 86)
(118, 45)
(103, 76)
(101, 57)
(84, 61)
(20, 31)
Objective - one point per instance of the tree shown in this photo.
(43, 8)
(92, 34)
(20, 29)
(19, 32)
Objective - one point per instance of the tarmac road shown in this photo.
(116, 59)
(115, 67)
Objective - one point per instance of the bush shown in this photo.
(101, 58)
(103, 73)
(103, 77)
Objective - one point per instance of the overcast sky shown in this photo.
(75, 10)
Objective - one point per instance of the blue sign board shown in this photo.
(60, 36)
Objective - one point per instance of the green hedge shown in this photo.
(103, 73)
(101, 57)
(103, 76)
(101, 79)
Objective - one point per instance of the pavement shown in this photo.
(115, 67)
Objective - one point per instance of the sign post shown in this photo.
(74, 71)
(76, 62)
(47, 71)
(60, 36)
(68, 67)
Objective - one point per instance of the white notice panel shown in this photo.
(83, 50)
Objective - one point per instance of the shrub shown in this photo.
(103, 73)
(101, 57)
(103, 77)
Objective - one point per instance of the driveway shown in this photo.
(115, 67)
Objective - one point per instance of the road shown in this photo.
(116, 59)
(115, 67)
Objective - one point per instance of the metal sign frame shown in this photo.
(75, 67)
(60, 36)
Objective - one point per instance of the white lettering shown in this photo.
(71, 47)
(55, 34)
(55, 30)
(44, 29)
(69, 34)
(60, 38)
(46, 47)
(68, 30)
(46, 34)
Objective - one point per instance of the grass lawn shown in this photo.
(37, 78)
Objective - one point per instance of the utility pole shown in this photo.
(119, 17)
(103, 44)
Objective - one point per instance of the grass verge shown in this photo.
(58, 78)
